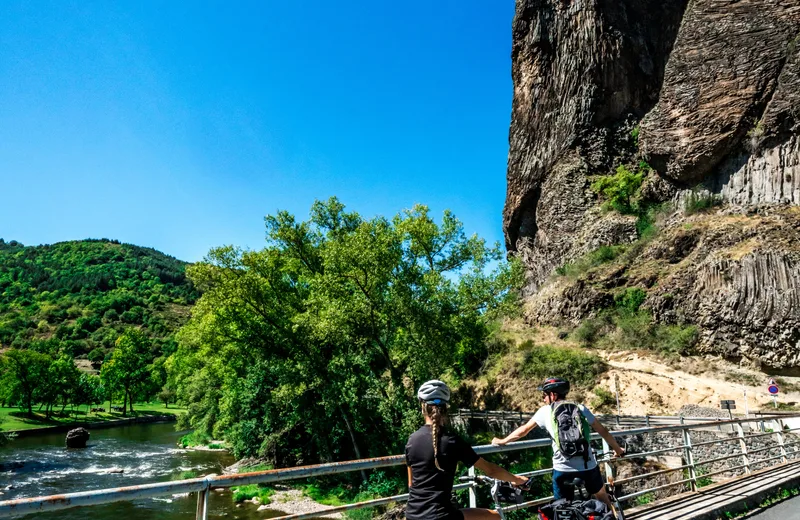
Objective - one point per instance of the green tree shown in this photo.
(127, 368)
(27, 376)
(310, 348)
(63, 378)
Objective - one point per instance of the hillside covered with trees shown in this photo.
(117, 306)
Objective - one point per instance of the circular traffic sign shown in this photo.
(773, 389)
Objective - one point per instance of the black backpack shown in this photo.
(571, 430)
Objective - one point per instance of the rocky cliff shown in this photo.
(705, 95)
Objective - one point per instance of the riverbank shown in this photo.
(12, 420)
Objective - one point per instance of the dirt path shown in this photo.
(649, 386)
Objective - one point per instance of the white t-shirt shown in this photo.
(542, 417)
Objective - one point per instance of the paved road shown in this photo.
(787, 510)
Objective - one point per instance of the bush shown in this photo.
(604, 400)
(591, 330)
(629, 328)
(581, 368)
(630, 299)
(97, 356)
(621, 189)
(698, 201)
(196, 438)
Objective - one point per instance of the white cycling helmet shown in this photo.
(434, 392)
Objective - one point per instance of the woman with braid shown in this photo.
(432, 454)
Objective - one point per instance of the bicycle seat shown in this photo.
(575, 482)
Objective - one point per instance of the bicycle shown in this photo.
(583, 508)
(501, 491)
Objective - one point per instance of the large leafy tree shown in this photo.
(311, 348)
(26, 377)
(127, 369)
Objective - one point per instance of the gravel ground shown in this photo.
(292, 501)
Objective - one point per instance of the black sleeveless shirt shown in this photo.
(429, 495)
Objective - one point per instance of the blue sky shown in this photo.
(179, 125)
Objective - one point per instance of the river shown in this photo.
(143, 452)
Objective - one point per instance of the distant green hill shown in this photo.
(79, 296)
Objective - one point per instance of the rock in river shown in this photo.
(77, 438)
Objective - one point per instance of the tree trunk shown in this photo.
(353, 440)
(130, 402)
(124, 403)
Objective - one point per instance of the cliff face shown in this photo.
(712, 88)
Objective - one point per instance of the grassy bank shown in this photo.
(16, 419)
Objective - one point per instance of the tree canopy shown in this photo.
(311, 349)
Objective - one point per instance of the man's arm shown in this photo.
(517, 434)
(612, 442)
(495, 471)
(409, 477)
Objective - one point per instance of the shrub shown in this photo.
(675, 340)
(627, 327)
(630, 299)
(604, 400)
(196, 438)
(620, 189)
(700, 200)
(590, 330)
(581, 368)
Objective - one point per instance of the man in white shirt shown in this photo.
(570, 459)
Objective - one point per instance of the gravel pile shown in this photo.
(693, 410)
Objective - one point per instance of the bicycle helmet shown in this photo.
(434, 392)
(556, 385)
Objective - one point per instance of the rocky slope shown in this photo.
(706, 92)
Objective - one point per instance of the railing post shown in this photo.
(472, 498)
(777, 426)
(202, 505)
(743, 445)
(689, 455)
(647, 421)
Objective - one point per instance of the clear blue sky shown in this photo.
(179, 125)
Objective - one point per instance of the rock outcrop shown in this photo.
(77, 438)
(708, 93)
(583, 72)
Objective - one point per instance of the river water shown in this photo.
(123, 456)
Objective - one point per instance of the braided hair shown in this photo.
(438, 416)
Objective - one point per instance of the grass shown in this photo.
(599, 256)
(779, 495)
(12, 418)
(251, 491)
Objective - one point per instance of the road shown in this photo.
(786, 510)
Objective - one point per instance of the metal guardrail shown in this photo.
(202, 486)
(628, 421)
